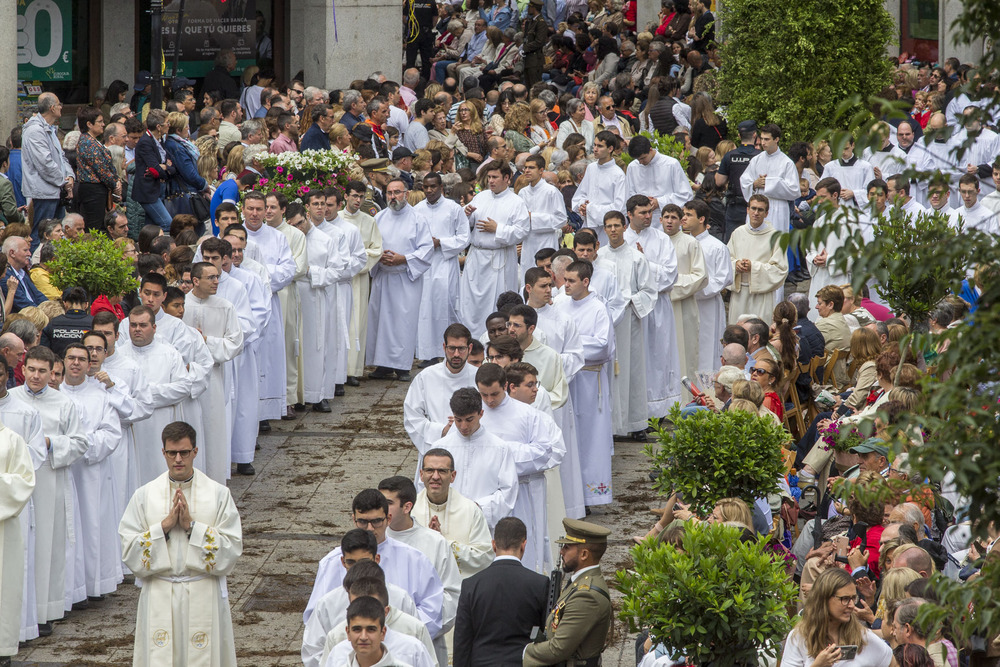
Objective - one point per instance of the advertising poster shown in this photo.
(44, 40)
(209, 25)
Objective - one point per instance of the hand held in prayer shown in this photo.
(172, 518)
(655, 202)
(638, 246)
(820, 259)
(847, 194)
(878, 173)
(488, 225)
(437, 242)
(183, 514)
(761, 181)
(972, 169)
(434, 524)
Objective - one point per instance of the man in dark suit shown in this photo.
(316, 137)
(499, 606)
(18, 254)
(152, 169)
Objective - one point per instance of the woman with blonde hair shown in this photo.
(340, 137)
(830, 621)
(208, 159)
(516, 124)
(865, 349)
(589, 94)
(541, 129)
(767, 373)
(732, 510)
(823, 155)
(894, 585)
(468, 128)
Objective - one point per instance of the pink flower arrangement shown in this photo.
(831, 437)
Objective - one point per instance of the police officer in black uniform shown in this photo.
(733, 164)
(420, 16)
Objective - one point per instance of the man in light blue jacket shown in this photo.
(45, 169)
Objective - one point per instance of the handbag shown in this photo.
(185, 202)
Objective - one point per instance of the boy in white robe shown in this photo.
(603, 187)
(181, 536)
(629, 379)
(483, 463)
(366, 632)
(17, 481)
(853, 174)
(972, 214)
(499, 221)
(55, 496)
(760, 264)
(356, 257)
(663, 365)
(449, 229)
(459, 520)
(354, 195)
(691, 277)
(322, 330)
(772, 173)
(590, 388)
(426, 411)
(819, 259)
(536, 445)
(402, 494)
(657, 176)
(93, 472)
(397, 284)
(546, 212)
(216, 319)
(719, 269)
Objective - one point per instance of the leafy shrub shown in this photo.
(93, 262)
(716, 600)
(713, 455)
(663, 143)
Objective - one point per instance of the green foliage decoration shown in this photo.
(663, 143)
(711, 455)
(93, 262)
(793, 63)
(716, 600)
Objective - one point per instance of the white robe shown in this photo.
(217, 320)
(322, 335)
(934, 155)
(629, 377)
(711, 309)
(890, 161)
(663, 364)
(331, 613)
(551, 376)
(17, 480)
(491, 263)
(357, 258)
(486, 471)
(169, 383)
(854, 177)
(183, 616)
(821, 275)
(291, 309)
(281, 267)
(247, 366)
(95, 485)
(360, 285)
(124, 370)
(546, 217)
(537, 445)
(663, 179)
(440, 293)
(25, 421)
(394, 309)
(781, 186)
(426, 407)
(691, 277)
(243, 372)
(978, 217)
(403, 565)
(754, 292)
(55, 498)
(463, 525)
(590, 389)
(604, 189)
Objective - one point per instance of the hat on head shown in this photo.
(872, 445)
(581, 532)
(181, 82)
(379, 164)
(143, 79)
(401, 152)
(747, 126)
(537, 3)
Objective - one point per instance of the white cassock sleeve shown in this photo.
(165, 394)
(644, 298)
(416, 419)
(17, 475)
(122, 401)
(719, 266)
(419, 259)
(282, 271)
(226, 348)
(543, 450)
(356, 255)
(663, 266)
(70, 446)
(453, 244)
(688, 284)
(770, 275)
(107, 437)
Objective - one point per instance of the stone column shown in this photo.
(947, 46)
(647, 11)
(8, 68)
(369, 36)
(118, 43)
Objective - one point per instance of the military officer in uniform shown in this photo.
(576, 630)
(378, 176)
(536, 35)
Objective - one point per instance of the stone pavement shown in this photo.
(295, 511)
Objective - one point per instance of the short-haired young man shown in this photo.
(719, 269)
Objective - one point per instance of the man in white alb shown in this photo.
(657, 176)
(603, 187)
(354, 195)
(719, 267)
(691, 277)
(546, 212)
(772, 173)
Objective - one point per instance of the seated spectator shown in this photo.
(40, 275)
(18, 254)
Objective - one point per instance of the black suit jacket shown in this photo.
(497, 609)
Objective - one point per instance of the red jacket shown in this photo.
(102, 303)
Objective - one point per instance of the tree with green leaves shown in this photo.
(95, 263)
(793, 63)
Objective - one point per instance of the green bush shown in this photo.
(711, 455)
(716, 600)
(93, 262)
(663, 143)
(794, 63)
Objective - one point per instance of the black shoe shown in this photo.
(381, 373)
(245, 469)
(430, 362)
(81, 605)
(639, 436)
(322, 406)
(300, 407)
(5, 661)
(352, 381)
(265, 427)
(403, 376)
(96, 598)
(289, 414)
(44, 629)
(338, 390)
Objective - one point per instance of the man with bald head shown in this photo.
(934, 152)
(916, 559)
(735, 355)
(12, 350)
